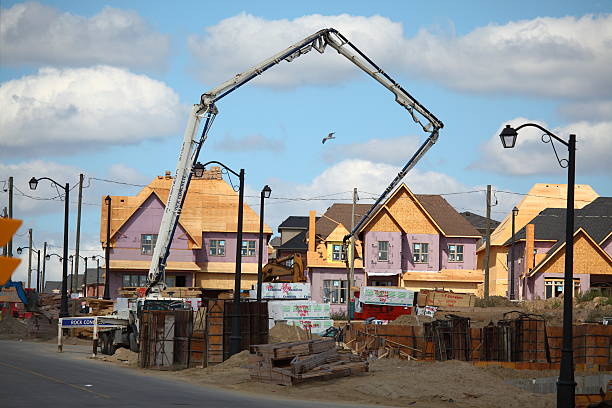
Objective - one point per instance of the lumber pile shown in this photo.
(100, 307)
(49, 305)
(299, 361)
(176, 292)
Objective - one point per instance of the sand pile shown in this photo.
(411, 320)
(11, 328)
(282, 332)
(239, 360)
(123, 356)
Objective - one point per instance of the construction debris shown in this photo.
(300, 361)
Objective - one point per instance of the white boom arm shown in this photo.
(206, 108)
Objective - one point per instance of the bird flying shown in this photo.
(328, 137)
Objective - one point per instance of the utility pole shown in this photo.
(488, 244)
(5, 248)
(29, 258)
(106, 295)
(10, 213)
(75, 276)
(351, 274)
(42, 288)
(38, 271)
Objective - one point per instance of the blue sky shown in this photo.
(103, 88)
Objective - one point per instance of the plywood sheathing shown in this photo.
(211, 205)
(540, 196)
(454, 275)
(588, 258)
(144, 265)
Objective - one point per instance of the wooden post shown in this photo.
(95, 337)
(75, 275)
(59, 335)
(488, 244)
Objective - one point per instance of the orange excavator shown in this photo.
(286, 269)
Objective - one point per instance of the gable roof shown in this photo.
(297, 243)
(295, 222)
(478, 221)
(339, 214)
(438, 210)
(211, 205)
(540, 197)
(595, 219)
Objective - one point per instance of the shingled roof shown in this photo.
(447, 218)
(595, 219)
(297, 243)
(295, 222)
(339, 214)
(478, 221)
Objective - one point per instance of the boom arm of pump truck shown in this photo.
(277, 271)
(206, 110)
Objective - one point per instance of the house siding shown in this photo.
(318, 275)
(469, 253)
(433, 263)
(393, 265)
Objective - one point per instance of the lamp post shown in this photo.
(514, 214)
(97, 259)
(64, 300)
(106, 296)
(236, 337)
(265, 193)
(20, 250)
(566, 386)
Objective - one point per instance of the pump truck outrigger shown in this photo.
(207, 110)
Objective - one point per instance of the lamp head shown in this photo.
(33, 183)
(266, 191)
(508, 137)
(107, 200)
(19, 250)
(198, 170)
(47, 257)
(515, 211)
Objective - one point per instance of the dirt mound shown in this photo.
(239, 360)
(282, 332)
(122, 355)
(411, 320)
(11, 328)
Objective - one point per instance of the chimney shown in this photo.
(529, 246)
(168, 174)
(311, 231)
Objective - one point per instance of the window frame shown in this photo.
(337, 292)
(246, 250)
(552, 285)
(385, 251)
(151, 243)
(340, 255)
(220, 246)
(423, 256)
(453, 256)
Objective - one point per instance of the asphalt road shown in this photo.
(35, 375)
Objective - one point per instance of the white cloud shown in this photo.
(87, 108)
(392, 150)
(126, 174)
(532, 156)
(38, 34)
(565, 57)
(249, 143)
(238, 43)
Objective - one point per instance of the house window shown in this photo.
(554, 287)
(248, 248)
(147, 243)
(383, 250)
(216, 247)
(337, 253)
(334, 291)
(420, 252)
(134, 280)
(455, 253)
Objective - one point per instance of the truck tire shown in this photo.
(104, 340)
(133, 343)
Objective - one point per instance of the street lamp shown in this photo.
(265, 193)
(19, 251)
(64, 301)
(566, 386)
(514, 214)
(235, 338)
(106, 296)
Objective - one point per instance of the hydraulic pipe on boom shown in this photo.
(207, 109)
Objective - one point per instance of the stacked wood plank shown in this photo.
(299, 361)
(49, 305)
(177, 292)
(100, 307)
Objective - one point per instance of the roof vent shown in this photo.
(168, 174)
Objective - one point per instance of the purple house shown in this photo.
(419, 241)
(538, 256)
(203, 250)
